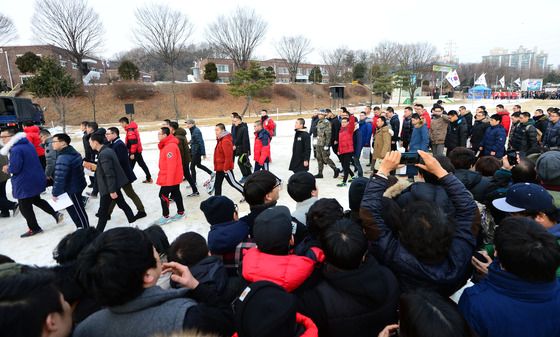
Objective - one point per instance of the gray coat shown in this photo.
(50, 157)
(110, 175)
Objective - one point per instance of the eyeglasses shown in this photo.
(5, 136)
(56, 141)
(278, 183)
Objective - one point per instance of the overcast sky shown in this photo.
(474, 26)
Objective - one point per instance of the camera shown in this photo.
(410, 158)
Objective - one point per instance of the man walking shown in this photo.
(170, 175)
(198, 150)
(407, 128)
(181, 135)
(324, 135)
(395, 124)
(110, 178)
(268, 123)
(223, 160)
(241, 146)
(68, 177)
(28, 178)
(134, 145)
(262, 147)
(301, 148)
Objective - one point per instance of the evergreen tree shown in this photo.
(28, 63)
(315, 75)
(248, 82)
(211, 72)
(128, 71)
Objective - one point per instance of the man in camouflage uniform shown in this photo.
(324, 133)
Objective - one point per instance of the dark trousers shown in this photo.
(129, 191)
(78, 211)
(175, 192)
(103, 212)
(197, 162)
(43, 161)
(187, 174)
(26, 208)
(138, 158)
(264, 166)
(357, 164)
(346, 159)
(5, 204)
(228, 175)
(245, 169)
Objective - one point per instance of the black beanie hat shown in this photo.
(356, 192)
(265, 309)
(273, 229)
(217, 209)
(258, 185)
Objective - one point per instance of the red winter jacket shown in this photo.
(132, 138)
(506, 120)
(223, 153)
(306, 323)
(427, 118)
(269, 125)
(287, 271)
(345, 139)
(32, 134)
(170, 163)
(262, 147)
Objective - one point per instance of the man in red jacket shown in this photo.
(223, 160)
(268, 123)
(134, 145)
(170, 175)
(32, 134)
(419, 109)
(262, 147)
(506, 120)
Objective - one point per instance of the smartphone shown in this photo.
(410, 158)
(480, 257)
(512, 157)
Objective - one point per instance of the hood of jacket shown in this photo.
(211, 270)
(31, 129)
(503, 113)
(150, 297)
(167, 140)
(469, 178)
(224, 237)
(18, 138)
(180, 132)
(69, 151)
(132, 125)
(223, 134)
(486, 120)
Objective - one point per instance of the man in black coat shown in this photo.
(457, 132)
(481, 123)
(395, 126)
(121, 151)
(301, 149)
(110, 178)
(313, 130)
(241, 146)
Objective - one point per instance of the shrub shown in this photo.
(264, 93)
(358, 90)
(133, 91)
(285, 91)
(207, 91)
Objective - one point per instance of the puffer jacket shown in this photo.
(477, 132)
(262, 147)
(457, 134)
(68, 173)
(197, 142)
(345, 137)
(474, 182)
(395, 126)
(132, 138)
(406, 131)
(224, 237)
(524, 138)
(446, 276)
(170, 164)
(382, 142)
(287, 271)
(494, 141)
(506, 120)
(269, 125)
(223, 153)
(50, 156)
(551, 138)
(181, 135)
(438, 131)
(32, 134)
(365, 133)
(110, 176)
(541, 123)
(122, 154)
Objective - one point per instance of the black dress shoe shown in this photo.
(30, 233)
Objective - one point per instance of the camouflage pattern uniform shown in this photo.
(324, 132)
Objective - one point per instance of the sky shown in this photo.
(474, 27)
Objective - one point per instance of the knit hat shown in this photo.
(356, 192)
(265, 309)
(272, 230)
(217, 209)
(548, 168)
(525, 197)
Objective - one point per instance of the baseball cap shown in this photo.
(525, 197)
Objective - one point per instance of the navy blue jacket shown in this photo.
(494, 140)
(551, 138)
(122, 155)
(68, 173)
(197, 142)
(502, 304)
(445, 277)
(357, 141)
(28, 176)
(224, 237)
(366, 132)
(420, 139)
(395, 126)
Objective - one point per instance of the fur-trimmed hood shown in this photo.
(16, 138)
(395, 190)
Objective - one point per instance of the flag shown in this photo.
(481, 80)
(453, 78)
(503, 81)
(518, 82)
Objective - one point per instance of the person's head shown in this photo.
(257, 126)
(548, 168)
(368, 110)
(32, 306)
(96, 141)
(356, 193)
(499, 108)
(300, 124)
(517, 108)
(428, 314)
(190, 123)
(407, 111)
(515, 117)
(538, 112)
(302, 186)
(188, 249)
(158, 238)
(329, 112)
(264, 112)
(527, 250)
(419, 108)
(344, 121)
(262, 187)
(531, 200)
(173, 126)
(487, 165)
(118, 266)
(236, 119)
(482, 108)
(323, 213)
(453, 115)
(92, 127)
(426, 231)
(166, 122)
(219, 129)
(480, 115)
(112, 133)
(495, 119)
(163, 133)
(44, 134)
(377, 111)
(272, 231)
(416, 119)
(463, 110)
(124, 122)
(524, 172)
(462, 158)
(381, 122)
(432, 179)
(219, 210)
(344, 244)
(524, 117)
(389, 112)
(7, 134)
(83, 126)
(554, 116)
(437, 110)
(363, 116)
(60, 141)
(73, 244)
(322, 114)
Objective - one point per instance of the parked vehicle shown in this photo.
(15, 111)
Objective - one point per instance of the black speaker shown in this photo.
(129, 108)
(337, 92)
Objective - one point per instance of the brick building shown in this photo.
(10, 72)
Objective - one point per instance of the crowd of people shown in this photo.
(462, 241)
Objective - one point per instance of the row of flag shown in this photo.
(453, 78)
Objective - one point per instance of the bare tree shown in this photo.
(7, 29)
(416, 59)
(294, 49)
(237, 35)
(163, 32)
(335, 62)
(69, 24)
(385, 54)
